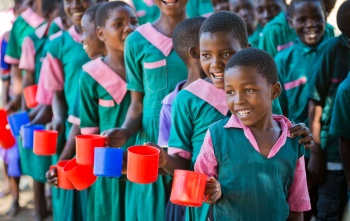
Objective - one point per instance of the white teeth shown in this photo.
(218, 75)
(169, 3)
(244, 112)
(78, 13)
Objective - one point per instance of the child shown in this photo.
(103, 96)
(146, 10)
(246, 9)
(330, 69)
(293, 65)
(266, 10)
(263, 177)
(220, 5)
(153, 69)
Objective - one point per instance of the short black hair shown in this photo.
(104, 11)
(225, 21)
(292, 4)
(186, 35)
(343, 18)
(91, 11)
(256, 58)
(48, 6)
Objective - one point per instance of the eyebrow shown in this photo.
(226, 49)
(249, 82)
(122, 18)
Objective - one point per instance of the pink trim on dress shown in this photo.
(11, 60)
(73, 120)
(43, 96)
(209, 93)
(160, 41)
(53, 36)
(54, 79)
(336, 80)
(27, 61)
(207, 15)
(90, 130)
(182, 153)
(75, 35)
(42, 30)
(282, 47)
(156, 64)
(106, 103)
(141, 13)
(58, 22)
(107, 78)
(149, 3)
(32, 18)
(296, 83)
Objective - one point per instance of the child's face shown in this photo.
(308, 21)
(171, 7)
(75, 9)
(220, 5)
(215, 51)
(92, 45)
(266, 10)
(121, 22)
(245, 9)
(249, 96)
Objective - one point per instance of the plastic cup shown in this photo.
(29, 94)
(188, 188)
(142, 166)
(3, 118)
(108, 162)
(85, 145)
(63, 181)
(45, 142)
(79, 175)
(17, 120)
(7, 140)
(28, 134)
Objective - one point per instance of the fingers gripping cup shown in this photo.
(45, 142)
(17, 120)
(80, 176)
(29, 94)
(63, 181)
(108, 162)
(142, 166)
(85, 145)
(188, 188)
(28, 134)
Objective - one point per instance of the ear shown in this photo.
(247, 45)
(276, 90)
(194, 52)
(290, 21)
(99, 33)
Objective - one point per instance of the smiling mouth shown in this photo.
(243, 113)
(76, 14)
(311, 33)
(218, 75)
(169, 2)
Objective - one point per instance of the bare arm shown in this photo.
(296, 216)
(44, 114)
(344, 148)
(16, 78)
(69, 149)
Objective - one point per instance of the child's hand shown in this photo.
(51, 176)
(116, 137)
(163, 155)
(125, 162)
(56, 125)
(213, 189)
(304, 132)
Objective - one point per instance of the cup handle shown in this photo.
(206, 197)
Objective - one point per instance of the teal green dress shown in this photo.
(254, 38)
(195, 8)
(66, 56)
(152, 68)
(104, 102)
(331, 68)
(146, 11)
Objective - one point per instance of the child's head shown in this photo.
(92, 45)
(245, 9)
(75, 10)
(222, 35)
(266, 10)
(186, 38)
(343, 18)
(329, 4)
(50, 9)
(251, 84)
(171, 7)
(17, 7)
(220, 5)
(114, 22)
(307, 17)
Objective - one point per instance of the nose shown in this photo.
(310, 23)
(129, 27)
(76, 4)
(216, 63)
(238, 99)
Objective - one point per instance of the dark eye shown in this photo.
(226, 54)
(119, 24)
(229, 92)
(206, 55)
(249, 90)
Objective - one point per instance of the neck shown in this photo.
(166, 24)
(266, 123)
(195, 72)
(115, 60)
(37, 8)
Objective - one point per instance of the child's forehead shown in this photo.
(265, 2)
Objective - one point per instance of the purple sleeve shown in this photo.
(164, 125)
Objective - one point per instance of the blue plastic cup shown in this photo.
(17, 120)
(108, 162)
(28, 134)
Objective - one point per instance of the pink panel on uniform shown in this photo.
(27, 61)
(156, 64)
(73, 120)
(75, 35)
(42, 30)
(149, 3)
(90, 130)
(141, 13)
(58, 22)
(32, 18)
(54, 79)
(294, 84)
(182, 153)
(282, 47)
(11, 60)
(106, 103)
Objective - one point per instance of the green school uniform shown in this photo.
(146, 11)
(331, 68)
(254, 38)
(55, 26)
(195, 8)
(340, 124)
(278, 35)
(153, 68)
(104, 102)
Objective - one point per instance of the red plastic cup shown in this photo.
(80, 176)
(3, 118)
(45, 142)
(7, 140)
(188, 188)
(63, 181)
(29, 94)
(142, 166)
(85, 146)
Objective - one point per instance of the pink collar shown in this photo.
(42, 30)
(74, 34)
(160, 41)
(149, 3)
(32, 18)
(58, 22)
(209, 93)
(107, 78)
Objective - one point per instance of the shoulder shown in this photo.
(218, 125)
(134, 38)
(284, 54)
(344, 87)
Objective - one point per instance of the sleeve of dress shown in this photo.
(54, 79)
(27, 61)
(74, 118)
(280, 69)
(13, 50)
(133, 66)
(43, 96)
(164, 125)
(268, 40)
